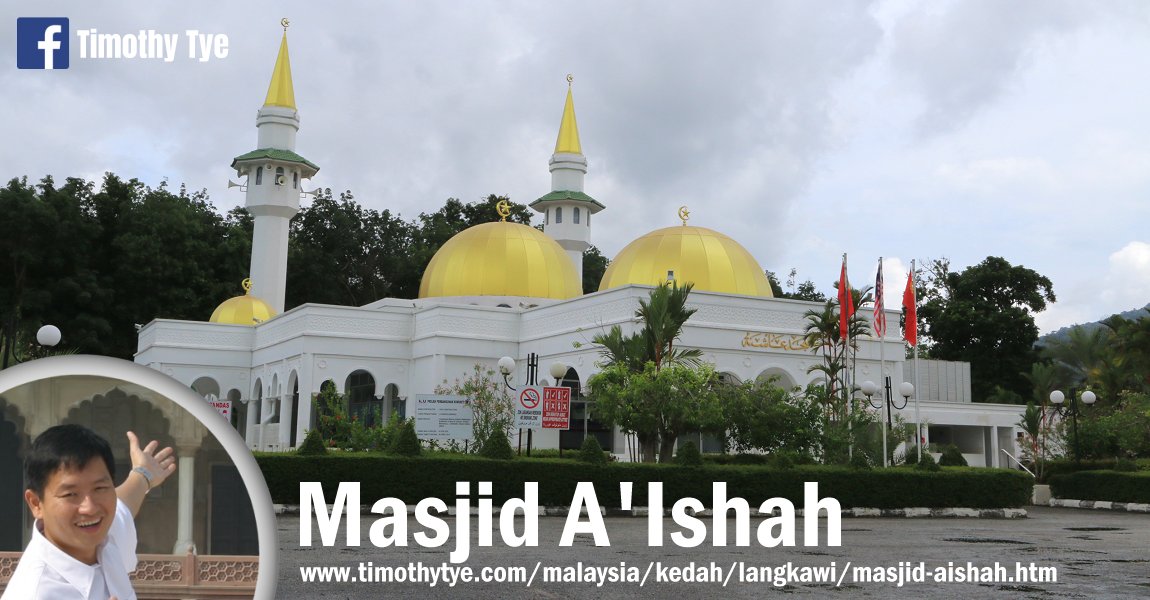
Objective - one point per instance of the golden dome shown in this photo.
(243, 310)
(710, 260)
(501, 259)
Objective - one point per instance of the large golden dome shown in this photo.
(243, 310)
(501, 259)
(710, 260)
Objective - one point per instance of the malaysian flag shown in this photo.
(879, 311)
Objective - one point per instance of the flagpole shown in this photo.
(917, 392)
(882, 376)
(846, 363)
(846, 302)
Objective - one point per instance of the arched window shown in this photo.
(576, 220)
(279, 176)
(360, 387)
(295, 180)
(558, 214)
(259, 175)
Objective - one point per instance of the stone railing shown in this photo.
(164, 576)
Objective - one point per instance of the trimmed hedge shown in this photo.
(1113, 486)
(412, 479)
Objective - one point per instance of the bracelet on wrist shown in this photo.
(146, 474)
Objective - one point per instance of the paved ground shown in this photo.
(1097, 554)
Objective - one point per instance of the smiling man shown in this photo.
(84, 539)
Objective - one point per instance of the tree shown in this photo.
(491, 407)
(95, 263)
(985, 316)
(594, 266)
(662, 316)
(341, 253)
(805, 291)
(763, 417)
(658, 404)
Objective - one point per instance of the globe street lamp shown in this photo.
(506, 368)
(48, 335)
(869, 389)
(1072, 409)
(906, 390)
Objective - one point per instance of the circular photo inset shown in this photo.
(116, 480)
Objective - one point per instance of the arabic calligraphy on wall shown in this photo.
(775, 341)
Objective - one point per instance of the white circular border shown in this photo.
(229, 438)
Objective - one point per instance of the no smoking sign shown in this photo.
(529, 397)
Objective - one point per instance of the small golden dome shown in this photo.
(501, 259)
(243, 310)
(710, 260)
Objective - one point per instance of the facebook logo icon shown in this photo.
(42, 43)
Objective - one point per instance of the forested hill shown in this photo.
(1064, 333)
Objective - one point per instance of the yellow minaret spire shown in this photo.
(568, 141)
(280, 91)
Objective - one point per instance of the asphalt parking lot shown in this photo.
(1092, 554)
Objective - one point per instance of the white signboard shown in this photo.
(529, 408)
(442, 417)
(224, 407)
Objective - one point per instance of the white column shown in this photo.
(993, 447)
(302, 421)
(187, 472)
(287, 419)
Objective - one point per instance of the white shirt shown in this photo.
(46, 572)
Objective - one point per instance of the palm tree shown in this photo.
(1082, 354)
(663, 315)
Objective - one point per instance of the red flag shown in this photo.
(910, 329)
(846, 302)
(879, 309)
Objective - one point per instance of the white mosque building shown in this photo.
(506, 289)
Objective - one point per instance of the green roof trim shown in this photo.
(568, 195)
(274, 154)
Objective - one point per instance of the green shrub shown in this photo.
(413, 479)
(951, 457)
(406, 443)
(591, 452)
(312, 444)
(360, 437)
(1114, 486)
(749, 459)
(782, 460)
(496, 446)
(860, 461)
(1125, 465)
(927, 463)
(385, 436)
(688, 455)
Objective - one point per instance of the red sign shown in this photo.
(556, 407)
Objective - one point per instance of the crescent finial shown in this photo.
(684, 214)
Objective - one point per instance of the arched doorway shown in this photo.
(12, 444)
(294, 412)
(582, 421)
(239, 413)
(112, 414)
(362, 403)
(391, 398)
(206, 386)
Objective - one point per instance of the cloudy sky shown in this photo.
(910, 130)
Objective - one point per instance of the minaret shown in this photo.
(567, 210)
(275, 175)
